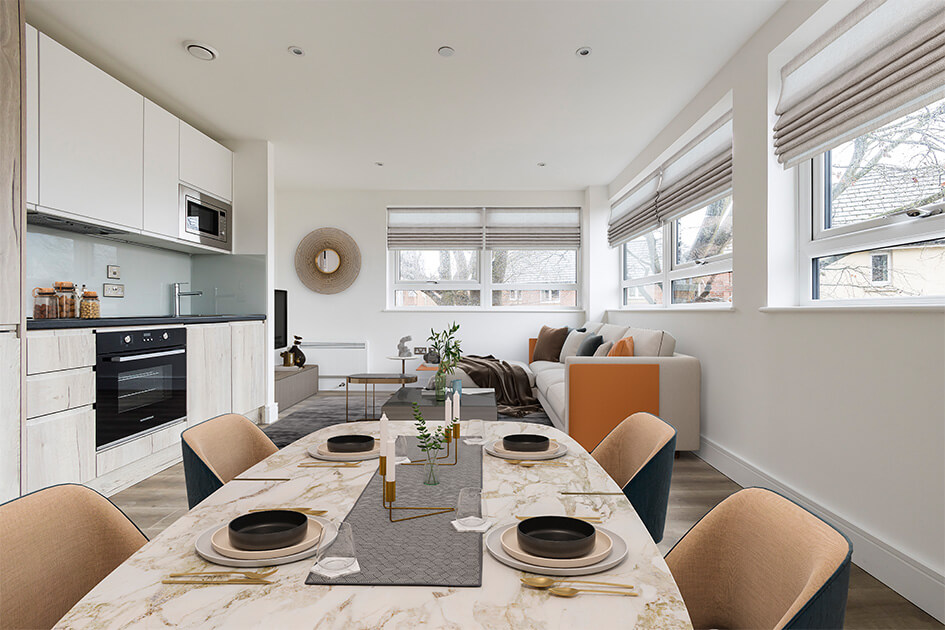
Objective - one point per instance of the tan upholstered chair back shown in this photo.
(229, 444)
(624, 451)
(754, 561)
(55, 546)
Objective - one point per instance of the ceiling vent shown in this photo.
(201, 51)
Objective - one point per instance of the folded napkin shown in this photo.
(402, 460)
(330, 574)
(479, 528)
(474, 441)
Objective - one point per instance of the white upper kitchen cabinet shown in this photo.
(32, 115)
(90, 140)
(161, 169)
(205, 164)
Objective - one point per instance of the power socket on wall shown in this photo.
(113, 290)
(419, 350)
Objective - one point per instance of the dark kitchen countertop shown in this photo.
(167, 320)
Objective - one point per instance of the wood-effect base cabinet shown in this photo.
(209, 372)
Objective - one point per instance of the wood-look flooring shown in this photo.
(696, 488)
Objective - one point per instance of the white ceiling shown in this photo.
(372, 87)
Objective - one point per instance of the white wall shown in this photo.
(845, 410)
(358, 314)
(147, 273)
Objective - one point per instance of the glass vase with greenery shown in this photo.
(431, 443)
(447, 346)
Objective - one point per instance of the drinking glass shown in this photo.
(401, 448)
(474, 430)
(469, 508)
(340, 553)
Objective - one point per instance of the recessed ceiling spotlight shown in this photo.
(297, 51)
(378, 164)
(542, 164)
(583, 51)
(445, 51)
(201, 51)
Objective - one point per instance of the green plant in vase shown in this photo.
(447, 346)
(431, 443)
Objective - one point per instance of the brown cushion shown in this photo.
(623, 348)
(549, 344)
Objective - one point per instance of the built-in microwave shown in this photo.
(205, 219)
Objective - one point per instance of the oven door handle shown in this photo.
(150, 355)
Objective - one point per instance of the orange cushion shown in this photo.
(623, 348)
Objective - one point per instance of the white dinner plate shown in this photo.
(206, 551)
(602, 548)
(502, 453)
(617, 555)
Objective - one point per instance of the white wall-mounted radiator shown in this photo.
(335, 361)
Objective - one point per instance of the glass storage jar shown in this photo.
(91, 308)
(68, 299)
(45, 303)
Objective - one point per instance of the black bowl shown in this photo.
(525, 442)
(556, 537)
(272, 529)
(350, 443)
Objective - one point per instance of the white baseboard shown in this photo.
(912, 579)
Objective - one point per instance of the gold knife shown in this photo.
(212, 581)
(304, 510)
(589, 492)
(261, 479)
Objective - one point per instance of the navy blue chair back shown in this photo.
(648, 490)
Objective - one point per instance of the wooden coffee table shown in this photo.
(471, 406)
(374, 380)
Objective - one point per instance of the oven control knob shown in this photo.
(127, 339)
(165, 336)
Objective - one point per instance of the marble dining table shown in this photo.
(132, 596)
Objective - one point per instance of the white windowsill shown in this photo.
(855, 308)
(676, 309)
(451, 309)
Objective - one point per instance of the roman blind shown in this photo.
(533, 228)
(882, 61)
(434, 228)
(695, 175)
(475, 228)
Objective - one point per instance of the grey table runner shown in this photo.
(419, 552)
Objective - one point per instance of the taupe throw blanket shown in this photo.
(513, 393)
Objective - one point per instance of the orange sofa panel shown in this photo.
(531, 348)
(601, 396)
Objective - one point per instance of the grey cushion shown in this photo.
(590, 345)
(603, 349)
(572, 343)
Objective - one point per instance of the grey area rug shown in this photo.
(319, 412)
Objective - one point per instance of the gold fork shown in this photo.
(256, 575)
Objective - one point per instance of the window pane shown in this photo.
(443, 265)
(705, 232)
(644, 295)
(534, 297)
(526, 266)
(898, 166)
(913, 270)
(433, 298)
(643, 256)
(714, 288)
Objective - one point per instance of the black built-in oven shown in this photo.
(140, 382)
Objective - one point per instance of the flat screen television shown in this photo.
(281, 319)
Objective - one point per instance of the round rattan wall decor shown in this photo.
(342, 254)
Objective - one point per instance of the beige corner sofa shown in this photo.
(588, 396)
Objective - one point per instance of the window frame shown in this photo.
(815, 241)
(484, 285)
(719, 263)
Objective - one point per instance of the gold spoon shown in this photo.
(547, 582)
(564, 591)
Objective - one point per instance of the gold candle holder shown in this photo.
(389, 496)
(449, 437)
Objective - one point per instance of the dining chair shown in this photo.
(759, 560)
(56, 544)
(219, 449)
(638, 455)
